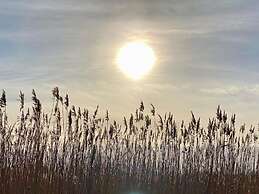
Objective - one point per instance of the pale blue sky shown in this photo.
(208, 53)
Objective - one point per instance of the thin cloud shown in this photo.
(232, 90)
(72, 44)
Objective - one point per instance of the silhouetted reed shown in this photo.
(70, 150)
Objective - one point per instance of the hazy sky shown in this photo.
(207, 50)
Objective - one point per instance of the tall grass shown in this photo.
(71, 150)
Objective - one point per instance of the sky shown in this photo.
(207, 54)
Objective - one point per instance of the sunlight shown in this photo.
(136, 59)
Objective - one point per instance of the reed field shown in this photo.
(72, 150)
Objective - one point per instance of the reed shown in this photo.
(70, 150)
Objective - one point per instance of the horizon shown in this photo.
(47, 106)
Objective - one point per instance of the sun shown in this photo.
(136, 59)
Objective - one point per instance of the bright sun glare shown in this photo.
(136, 59)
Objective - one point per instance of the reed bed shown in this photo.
(71, 150)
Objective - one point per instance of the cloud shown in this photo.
(232, 90)
(72, 44)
